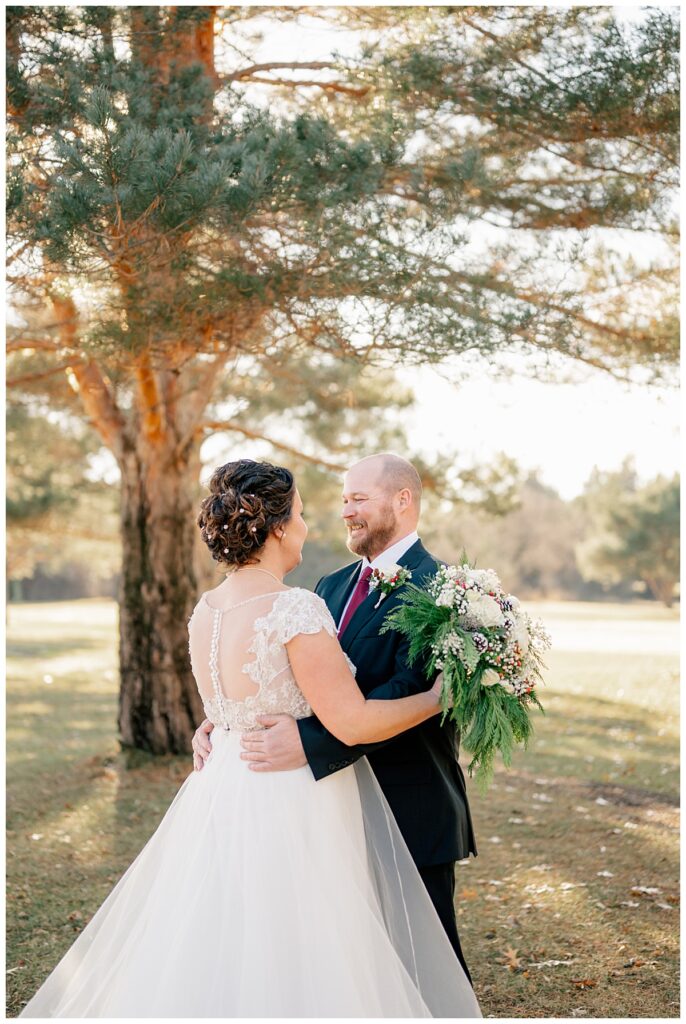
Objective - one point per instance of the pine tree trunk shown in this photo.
(661, 589)
(159, 707)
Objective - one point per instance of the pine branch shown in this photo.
(242, 73)
(30, 378)
(216, 426)
(89, 383)
(100, 405)
(349, 90)
(32, 346)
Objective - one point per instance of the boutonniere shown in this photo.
(386, 580)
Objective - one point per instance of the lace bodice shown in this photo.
(271, 623)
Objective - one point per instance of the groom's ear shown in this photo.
(404, 498)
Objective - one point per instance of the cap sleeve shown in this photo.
(301, 611)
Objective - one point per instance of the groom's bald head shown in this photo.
(392, 473)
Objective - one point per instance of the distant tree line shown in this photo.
(618, 540)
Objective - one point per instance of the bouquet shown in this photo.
(490, 651)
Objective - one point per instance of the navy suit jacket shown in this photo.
(418, 770)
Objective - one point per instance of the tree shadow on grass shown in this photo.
(606, 742)
(584, 868)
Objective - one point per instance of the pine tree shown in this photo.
(57, 513)
(190, 250)
(632, 532)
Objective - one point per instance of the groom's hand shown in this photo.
(202, 745)
(275, 749)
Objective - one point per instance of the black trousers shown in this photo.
(440, 883)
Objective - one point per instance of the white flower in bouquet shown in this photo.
(485, 610)
(490, 677)
(446, 596)
(487, 579)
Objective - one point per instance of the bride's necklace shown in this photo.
(254, 568)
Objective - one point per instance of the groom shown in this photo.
(418, 770)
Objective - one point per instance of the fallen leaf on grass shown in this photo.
(635, 961)
(511, 958)
(468, 894)
(583, 983)
(643, 890)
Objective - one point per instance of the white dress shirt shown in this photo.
(383, 561)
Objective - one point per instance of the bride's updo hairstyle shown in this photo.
(247, 501)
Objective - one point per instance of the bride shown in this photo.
(268, 895)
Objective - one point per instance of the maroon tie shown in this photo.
(359, 593)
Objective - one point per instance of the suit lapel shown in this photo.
(339, 598)
(412, 557)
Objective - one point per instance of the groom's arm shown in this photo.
(325, 754)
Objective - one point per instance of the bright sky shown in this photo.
(562, 430)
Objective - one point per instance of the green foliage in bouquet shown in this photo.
(490, 718)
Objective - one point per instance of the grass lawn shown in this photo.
(570, 909)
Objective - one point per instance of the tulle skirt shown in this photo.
(265, 895)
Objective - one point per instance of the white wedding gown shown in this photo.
(263, 894)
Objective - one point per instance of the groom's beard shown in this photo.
(371, 541)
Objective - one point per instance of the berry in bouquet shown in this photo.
(489, 650)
